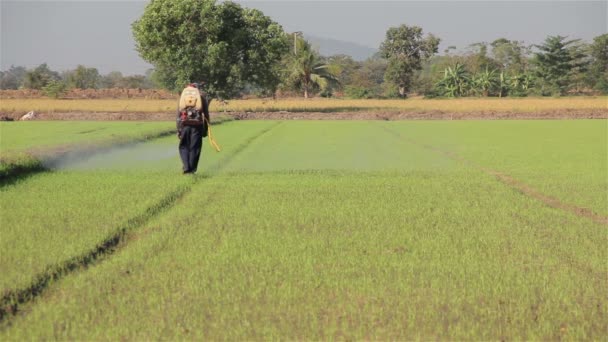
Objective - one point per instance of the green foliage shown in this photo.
(370, 76)
(455, 82)
(39, 77)
(83, 78)
(598, 69)
(354, 92)
(223, 44)
(306, 71)
(477, 59)
(112, 80)
(485, 82)
(405, 48)
(13, 78)
(520, 84)
(557, 63)
(54, 89)
(511, 56)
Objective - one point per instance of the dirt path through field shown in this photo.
(521, 187)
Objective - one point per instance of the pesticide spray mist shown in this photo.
(158, 154)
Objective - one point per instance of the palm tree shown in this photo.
(307, 71)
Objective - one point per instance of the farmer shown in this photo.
(192, 120)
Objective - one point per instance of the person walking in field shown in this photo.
(192, 125)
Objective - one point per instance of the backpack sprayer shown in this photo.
(191, 106)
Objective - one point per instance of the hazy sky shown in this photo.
(98, 33)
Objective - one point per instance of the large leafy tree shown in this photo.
(224, 44)
(406, 49)
(557, 62)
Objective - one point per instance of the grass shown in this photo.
(318, 104)
(564, 159)
(329, 230)
(65, 213)
(35, 135)
(22, 144)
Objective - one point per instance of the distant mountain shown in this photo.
(329, 47)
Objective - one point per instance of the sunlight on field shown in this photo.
(313, 230)
(318, 105)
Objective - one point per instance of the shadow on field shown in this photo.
(15, 174)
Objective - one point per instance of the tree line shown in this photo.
(239, 51)
(53, 83)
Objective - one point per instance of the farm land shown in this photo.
(565, 106)
(306, 230)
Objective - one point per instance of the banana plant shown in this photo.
(503, 79)
(484, 82)
(519, 84)
(527, 82)
(455, 81)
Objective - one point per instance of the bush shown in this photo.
(54, 89)
(355, 92)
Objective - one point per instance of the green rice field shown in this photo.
(307, 230)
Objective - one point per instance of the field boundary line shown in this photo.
(511, 182)
(12, 300)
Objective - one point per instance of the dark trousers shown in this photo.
(190, 143)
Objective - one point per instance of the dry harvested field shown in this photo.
(579, 107)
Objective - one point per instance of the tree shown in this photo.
(344, 67)
(477, 59)
(556, 62)
(13, 78)
(223, 44)
(370, 76)
(40, 77)
(111, 80)
(405, 48)
(511, 55)
(54, 89)
(597, 74)
(306, 70)
(133, 82)
(83, 78)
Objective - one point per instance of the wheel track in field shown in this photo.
(511, 182)
(13, 300)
